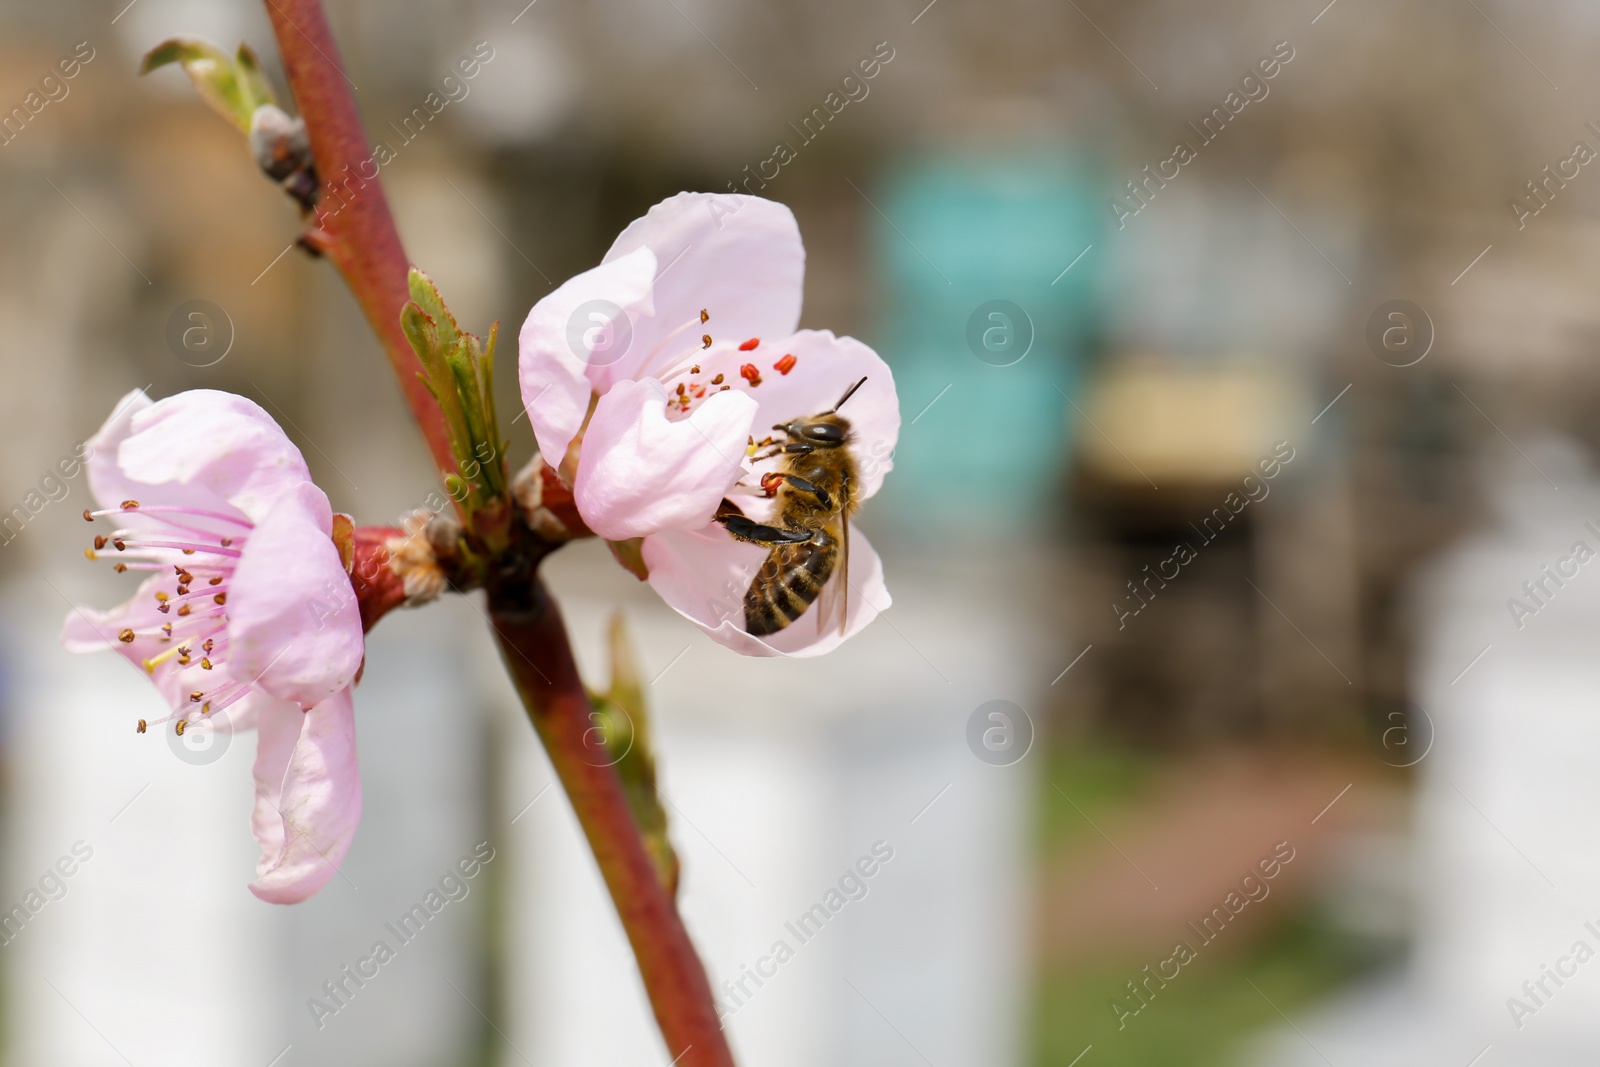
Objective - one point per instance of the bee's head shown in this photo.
(825, 430)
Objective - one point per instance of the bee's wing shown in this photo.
(835, 596)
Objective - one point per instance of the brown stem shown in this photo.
(357, 231)
(533, 642)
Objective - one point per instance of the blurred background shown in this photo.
(1238, 704)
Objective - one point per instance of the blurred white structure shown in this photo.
(1506, 964)
(153, 951)
(781, 775)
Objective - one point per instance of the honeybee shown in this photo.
(810, 532)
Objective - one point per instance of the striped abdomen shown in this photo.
(788, 583)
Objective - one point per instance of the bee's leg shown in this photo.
(758, 534)
(804, 486)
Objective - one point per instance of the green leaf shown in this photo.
(232, 86)
(627, 736)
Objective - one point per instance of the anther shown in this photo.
(750, 345)
(183, 609)
(119, 545)
(86, 516)
(784, 365)
(717, 380)
(705, 316)
(181, 724)
(119, 568)
(129, 505)
(205, 664)
(126, 636)
(142, 726)
(194, 697)
(209, 644)
(695, 369)
(705, 340)
(215, 581)
(749, 373)
(166, 628)
(221, 598)
(227, 542)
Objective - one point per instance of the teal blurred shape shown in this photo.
(974, 256)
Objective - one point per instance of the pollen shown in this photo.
(784, 365)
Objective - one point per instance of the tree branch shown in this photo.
(357, 232)
(533, 642)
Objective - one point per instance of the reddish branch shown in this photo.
(533, 642)
(361, 239)
(360, 236)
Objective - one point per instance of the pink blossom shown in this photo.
(246, 610)
(652, 412)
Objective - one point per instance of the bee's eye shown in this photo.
(824, 431)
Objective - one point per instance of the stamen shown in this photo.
(188, 548)
(162, 509)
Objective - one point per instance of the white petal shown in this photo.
(569, 345)
(214, 444)
(738, 257)
(294, 626)
(640, 471)
(308, 797)
(107, 483)
(703, 575)
(824, 368)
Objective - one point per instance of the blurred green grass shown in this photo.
(1201, 1018)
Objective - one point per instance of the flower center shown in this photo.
(687, 385)
(201, 548)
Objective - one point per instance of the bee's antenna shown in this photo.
(848, 393)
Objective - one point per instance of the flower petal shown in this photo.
(824, 368)
(220, 446)
(560, 348)
(641, 472)
(294, 626)
(308, 796)
(738, 257)
(107, 483)
(703, 575)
